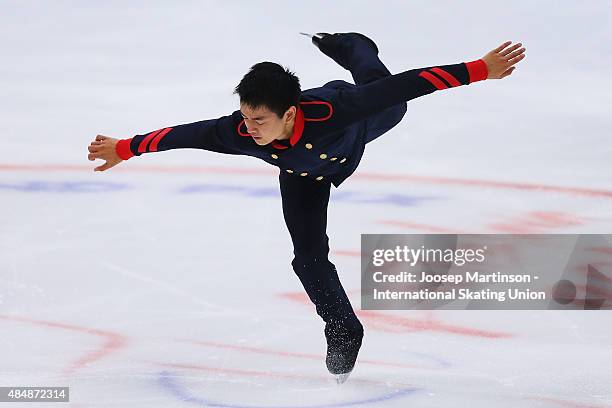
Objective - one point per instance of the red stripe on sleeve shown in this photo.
(431, 78)
(123, 149)
(142, 147)
(160, 136)
(446, 76)
(478, 70)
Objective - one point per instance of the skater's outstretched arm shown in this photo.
(354, 104)
(198, 135)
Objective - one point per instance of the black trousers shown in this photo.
(305, 200)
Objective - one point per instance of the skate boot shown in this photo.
(343, 345)
(335, 45)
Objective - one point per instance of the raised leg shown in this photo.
(356, 53)
(359, 54)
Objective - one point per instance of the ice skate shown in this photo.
(336, 46)
(341, 378)
(318, 38)
(342, 349)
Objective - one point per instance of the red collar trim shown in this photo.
(279, 146)
(298, 129)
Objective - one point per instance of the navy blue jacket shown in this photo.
(329, 134)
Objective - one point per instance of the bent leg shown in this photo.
(356, 54)
(360, 56)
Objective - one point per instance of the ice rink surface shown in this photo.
(166, 281)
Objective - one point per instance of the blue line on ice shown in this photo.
(41, 186)
(350, 196)
(440, 361)
(167, 381)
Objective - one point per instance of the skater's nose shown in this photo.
(251, 126)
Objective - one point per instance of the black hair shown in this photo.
(269, 85)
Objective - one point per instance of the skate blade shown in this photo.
(341, 378)
(319, 36)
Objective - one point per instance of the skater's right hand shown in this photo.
(500, 61)
(104, 147)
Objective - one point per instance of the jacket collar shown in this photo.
(298, 129)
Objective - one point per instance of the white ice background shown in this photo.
(166, 281)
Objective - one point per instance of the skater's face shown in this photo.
(265, 126)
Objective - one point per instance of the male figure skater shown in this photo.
(316, 138)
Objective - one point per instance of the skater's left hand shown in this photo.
(500, 61)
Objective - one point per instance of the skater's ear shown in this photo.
(290, 114)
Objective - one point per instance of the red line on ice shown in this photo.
(391, 323)
(343, 252)
(418, 226)
(400, 324)
(260, 350)
(537, 222)
(601, 250)
(112, 343)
